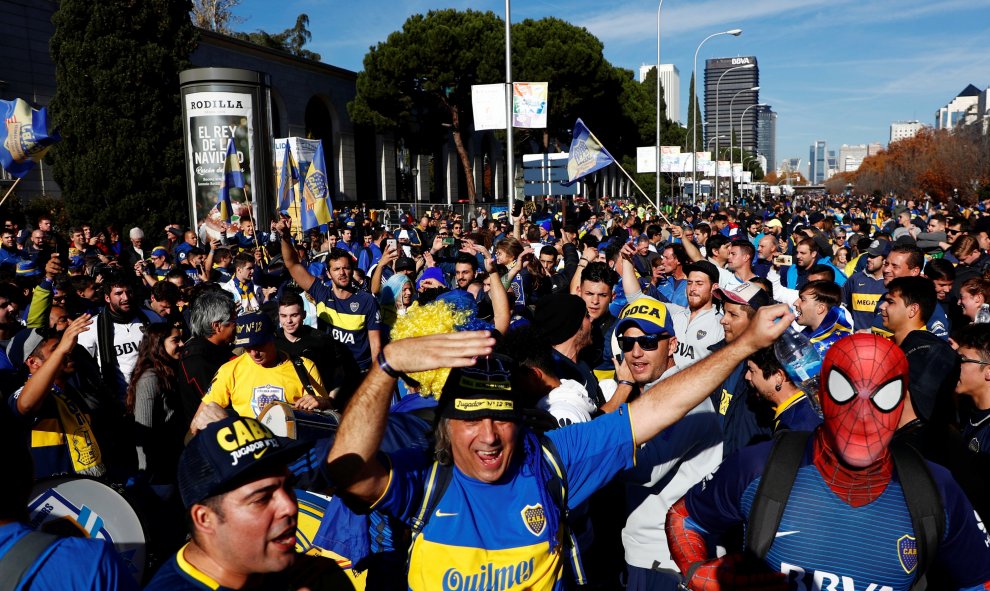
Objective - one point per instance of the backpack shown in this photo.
(441, 474)
(920, 493)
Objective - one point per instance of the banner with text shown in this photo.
(215, 118)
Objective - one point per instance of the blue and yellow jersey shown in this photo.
(823, 539)
(493, 536)
(796, 413)
(315, 573)
(348, 321)
(862, 294)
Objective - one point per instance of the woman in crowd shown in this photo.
(973, 293)
(152, 398)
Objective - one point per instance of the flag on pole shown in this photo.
(24, 137)
(232, 177)
(587, 154)
(316, 204)
(288, 177)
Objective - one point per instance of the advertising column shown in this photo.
(220, 106)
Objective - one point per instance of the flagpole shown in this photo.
(645, 196)
(9, 191)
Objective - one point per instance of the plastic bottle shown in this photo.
(983, 315)
(800, 360)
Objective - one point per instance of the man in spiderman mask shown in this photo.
(838, 508)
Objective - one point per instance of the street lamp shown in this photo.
(753, 89)
(717, 108)
(694, 106)
(659, 6)
(740, 141)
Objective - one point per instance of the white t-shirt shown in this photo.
(126, 339)
(694, 335)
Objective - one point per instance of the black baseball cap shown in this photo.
(229, 453)
(483, 390)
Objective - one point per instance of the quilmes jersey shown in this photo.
(492, 535)
(824, 543)
(861, 295)
(348, 321)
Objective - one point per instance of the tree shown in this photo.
(215, 15)
(117, 65)
(417, 83)
(582, 82)
(290, 40)
(694, 112)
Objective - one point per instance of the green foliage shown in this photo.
(694, 107)
(117, 65)
(290, 40)
(418, 81)
(582, 82)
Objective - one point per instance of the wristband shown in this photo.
(626, 383)
(384, 366)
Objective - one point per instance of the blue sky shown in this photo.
(838, 70)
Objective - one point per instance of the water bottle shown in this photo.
(983, 315)
(800, 360)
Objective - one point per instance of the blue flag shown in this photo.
(587, 154)
(24, 137)
(232, 177)
(287, 179)
(316, 205)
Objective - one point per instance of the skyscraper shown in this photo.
(766, 136)
(670, 80)
(717, 108)
(817, 162)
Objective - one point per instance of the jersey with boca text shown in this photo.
(492, 536)
(824, 543)
(348, 321)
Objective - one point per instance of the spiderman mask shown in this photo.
(865, 379)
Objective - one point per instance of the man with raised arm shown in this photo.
(498, 522)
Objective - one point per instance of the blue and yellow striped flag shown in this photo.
(316, 205)
(287, 179)
(232, 177)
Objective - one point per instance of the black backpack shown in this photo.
(920, 492)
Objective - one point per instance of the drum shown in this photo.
(85, 507)
(304, 425)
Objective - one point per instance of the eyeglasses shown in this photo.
(954, 231)
(976, 361)
(646, 342)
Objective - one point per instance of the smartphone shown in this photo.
(391, 243)
(448, 241)
(783, 260)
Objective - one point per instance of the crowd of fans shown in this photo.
(570, 396)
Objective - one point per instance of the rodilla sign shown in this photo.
(219, 106)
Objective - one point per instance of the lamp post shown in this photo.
(510, 157)
(694, 107)
(731, 148)
(717, 108)
(740, 139)
(657, 162)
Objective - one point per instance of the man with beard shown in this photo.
(696, 325)
(117, 335)
(350, 316)
(906, 260)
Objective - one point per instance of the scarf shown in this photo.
(84, 451)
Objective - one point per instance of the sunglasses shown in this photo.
(646, 342)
